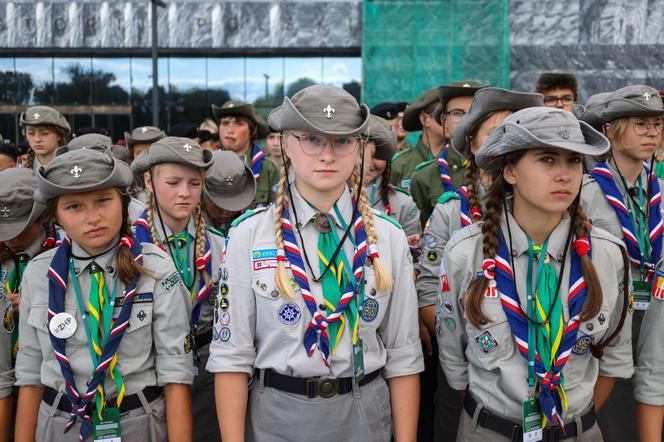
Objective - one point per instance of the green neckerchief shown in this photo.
(12, 286)
(659, 168)
(639, 220)
(182, 257)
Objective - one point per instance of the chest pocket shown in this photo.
(374, 307)
(493, 341)
(274, 311)
(137, 340)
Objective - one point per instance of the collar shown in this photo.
(191, 227)
(619, 181)
(36, 246)
(423, 150)
(520, 238)
(306, 213)
(106, 261)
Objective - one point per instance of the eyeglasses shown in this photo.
(315, 144)
(455, 114)
(642, 127)
(552, 100)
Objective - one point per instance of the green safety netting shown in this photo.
(409, 46)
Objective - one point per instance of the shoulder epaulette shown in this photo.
(424, 164)
(387, 217)
(397, 155)
(247, 214)
(399, 189)
(446, 196)
(213, 230)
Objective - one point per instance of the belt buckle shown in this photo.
(328, 388)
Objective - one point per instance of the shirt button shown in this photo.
(590, 326)
(274, 294)
(373, 292)
(321, 307)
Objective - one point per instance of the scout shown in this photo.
(239, 127)
(418, 116)
(104, 320)
(335, 366)
(45, 129)
(546, 347)
(141, 138)
(560, 89)
(382, 196)
(273, 146)
(229, 189)
(402, 142)
(173, 169)
(622, 196)
(446, 173)
(459, 208)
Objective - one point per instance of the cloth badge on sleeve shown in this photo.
(289, 313)
(264, 259)
(171, 281)
(448, 306)
(582, 345)
(487, 342)
(225, 318)
(658, 287)
(429, 241)
(432, 256)
(405, 184)
(444, 282)
(450, 323)
(224, 334)
(8, 322)
(139, 298)
(439, 322)
(369, 310)
(223, 303)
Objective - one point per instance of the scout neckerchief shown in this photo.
(551, 393)
(257, 160)
(653, 237)
(316, 334)
(57, 286)
(466, 213)
(203, 264)
(443, 168)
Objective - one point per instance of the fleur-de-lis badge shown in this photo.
(187, 147)
(36, 115)
(5, 212)
(647, 95)
(229, 181)
(144, 129)
(563, 132)
(329, 110)
(76, 172)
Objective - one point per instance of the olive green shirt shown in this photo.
(405, 161)
(425, 184)
(266, 184)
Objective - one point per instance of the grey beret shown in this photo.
(486, 101)
(172, 150)
(235, 108)
(17, 208)
(381, 133)
(99, 142)
(229, 183)
(322, 109)
(143, 135)
(44, 116)
(632, 101)
(594, 107)
(538, 127)
(81, 170)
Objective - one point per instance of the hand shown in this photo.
(413, 240)
(15, 299)
(425, 338)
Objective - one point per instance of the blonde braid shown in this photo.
(153, 230)
(199, 244)
(281, 278)
(383, 278)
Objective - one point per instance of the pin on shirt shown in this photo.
(63, 325)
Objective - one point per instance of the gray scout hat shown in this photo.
(172, 150)
(120, 153)
(17, 208)
(486, 101)
(411, 116)
(381, 133)
(88, 141)
(81, 170)
(462, 88)
(235, 108)
(592, 113)
(229, 183)
(143, 135)
(44, 116)
(632, 101)
(322, 109)
(537, 127)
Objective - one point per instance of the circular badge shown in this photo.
(582, 345)
(224, 274)
(223, 289)
(225, 334)
(432, 256)
(8, 322)
(289, 313)
(450, 323)
(215, 334)
(369, 309)
(223, 303)
(429, 241)
(447, 305)
(224, 318)
(63, 325)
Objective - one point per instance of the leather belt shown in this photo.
(325, 388)
(130, 402)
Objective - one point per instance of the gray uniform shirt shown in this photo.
(136, 209)
(260, 328)
(403, 208)
(154, 349)
(497, 374)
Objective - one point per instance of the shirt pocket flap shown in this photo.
(38, 318)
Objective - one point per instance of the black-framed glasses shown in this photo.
(552, 100)
(315, 144)
(642, 127)
(455, 114)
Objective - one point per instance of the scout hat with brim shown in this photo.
(463, 88)
(93, 141)
(235, 108)
(381, 133)
(632, 101)
(17, 208)
(143, 135)
(172, 150)
(229, 183)
(81, 170)
(411, 116)
(540, 127)
(44, 116)
(486, 101)
(594, 107)
(322, 109)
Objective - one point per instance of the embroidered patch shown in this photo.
(171, 281)
(264, 259)
(223, 289)
(8, 322)
(447, 306)
(224, 274)
(225, 334)
(439, 322)
(450, 323)
(187, 344)
(601, 319)
(141, 315)
(369, 310)
(582, 345)
(223, 303)
(432, 256)
(405, 184)
(225, 318)
(215, 335)
(429, 241)
(289, 313)
(140, 298)
(444, 282)
(487, 342)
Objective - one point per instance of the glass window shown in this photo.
(188, 98)
(111, 80)
(34, 81)
(72, 81)
(141, 91)
(300, 72)
(265, 83)
(226, 79)
(7, 84)
(344, 72)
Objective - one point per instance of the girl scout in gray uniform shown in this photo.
(173, 169)
(104, 322)
(45, 130)
(321, 360)
(530, 347)
(382, 196)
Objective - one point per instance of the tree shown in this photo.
(80, 86)
(354, 88)
(15, 88)
(298, 85)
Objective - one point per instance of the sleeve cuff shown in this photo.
(236, 362)
(426, 299)
(648, 388)
(456, 374)
(404, 361)
(174, 369)
(617, 363)
(28, 370)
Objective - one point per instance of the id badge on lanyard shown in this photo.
(107, 429)
(641, 295)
